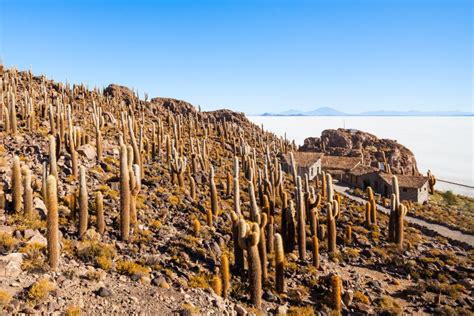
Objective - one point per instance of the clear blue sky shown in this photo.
(254, 56)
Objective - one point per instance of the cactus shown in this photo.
(53, 165)
(332, 212)
(3, 200)
(279, 265)
(400, 216)
(213, 191)
(288, 227)
(262, 247)
(368, 212)
(315, 251)
(135, 185)
(16, 185)
(394, 206)
(225, 276)
(249, 239)
(254, 210)
(348, 235)
(124, 195)
(431, 182)
(271, 234)
(392, 219)
(209, 217)
(300, 215)
(217, 285)
(196, 226)
(192, 187)
(336, 289)
(238, 251)
(313, 213)
(27, 192)
(83, 202)
(99, 210)
(330, 189)
(52, 223)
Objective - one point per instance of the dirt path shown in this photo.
(439, 229)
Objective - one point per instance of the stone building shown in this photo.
(306, 163)
(338, 166)
(412, 187)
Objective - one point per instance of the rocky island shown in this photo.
(112, 204)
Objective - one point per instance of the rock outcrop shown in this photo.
(119, 92)
(351, 143)
(174, 105)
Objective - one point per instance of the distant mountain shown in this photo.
(327, 111)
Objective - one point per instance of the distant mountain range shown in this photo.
(327, 111)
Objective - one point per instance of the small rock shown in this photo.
(282, 310)
(161, 282)
(104, 292)
(87, 150)
(10, 265)
(347, 298)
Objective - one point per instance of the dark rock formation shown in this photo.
(350, 143)
(174, 105)
(119, 92)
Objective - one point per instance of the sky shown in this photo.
(254, 56)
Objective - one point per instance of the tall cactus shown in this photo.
(400, 216)
(332, 212)
(124, 195)
(248, 239)
(336, 289)
(27, 192)
(53, 165)
(213, 191)
(99, 210)
(225, 275)
(300, 215)
(135, 185)
(315, 251)
(394, 205)
(279, 264)
(262, 247)
(52, 223)
(83, 202)
(238, 251)
(16, 185)
(431, 182)
(288, 227)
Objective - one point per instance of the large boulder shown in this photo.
(174, 105)
(350, 143)
(119, 92)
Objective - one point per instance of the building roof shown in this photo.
(405, 181)
(340, 163)
(361, 170)
(303, 159)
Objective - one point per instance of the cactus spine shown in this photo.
(16, 184)
(83, 202)
(279, 264)
(52, 223)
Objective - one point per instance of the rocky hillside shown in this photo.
(354, 143)
(114, 205)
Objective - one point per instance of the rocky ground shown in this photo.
(170, 262)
